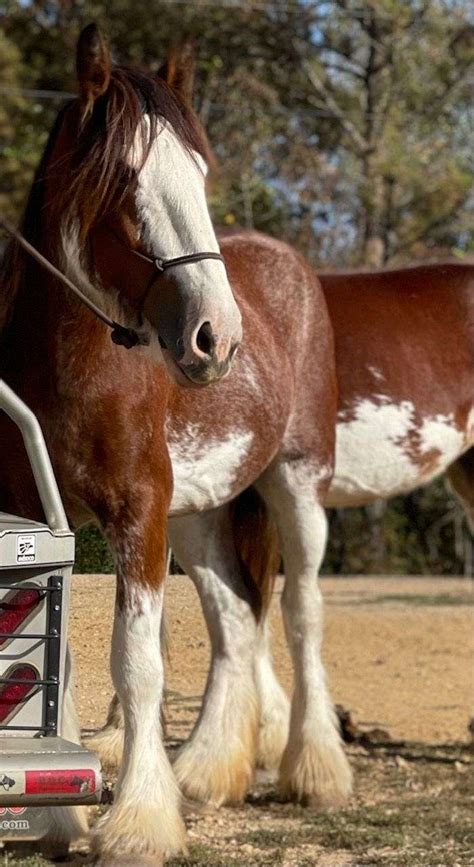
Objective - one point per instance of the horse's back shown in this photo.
(405, 362)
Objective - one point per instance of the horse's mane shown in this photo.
(15, 261)
(99, 169)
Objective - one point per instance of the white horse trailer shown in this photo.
(38, 767)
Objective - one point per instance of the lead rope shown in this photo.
(121, 335)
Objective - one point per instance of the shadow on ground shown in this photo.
(413, 807)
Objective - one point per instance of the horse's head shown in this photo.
(127, 176)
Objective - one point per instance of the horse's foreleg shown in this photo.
(107, 742)
(314, 767)
(145, 821)
(216, 764)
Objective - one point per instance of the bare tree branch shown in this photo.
(451, 87)
(330, 103)
(346, 70)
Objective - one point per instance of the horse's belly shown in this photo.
(384, 449)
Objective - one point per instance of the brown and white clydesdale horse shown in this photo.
(405, 364)
(118, 201)
(119, 189)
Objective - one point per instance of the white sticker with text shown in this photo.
(25, 549)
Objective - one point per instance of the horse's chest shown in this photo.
(221, 441)
(383, 449)
(207, 471)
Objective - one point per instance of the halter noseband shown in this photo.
(163, 265)
(122, 335)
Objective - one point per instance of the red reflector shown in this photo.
(13, 694)
(16, 608)
(80, 782)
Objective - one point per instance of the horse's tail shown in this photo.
(256, 544)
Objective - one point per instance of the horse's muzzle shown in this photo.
(199, 373)
(205, 373)
(198, 332)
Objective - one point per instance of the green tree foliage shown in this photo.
(344, 126)
(19, 143)
(424, 533)
(92, 553)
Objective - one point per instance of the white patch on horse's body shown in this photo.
(205, 468)
(440, 432)
(470, 426)
(384, 451)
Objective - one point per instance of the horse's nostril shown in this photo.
(205, 339)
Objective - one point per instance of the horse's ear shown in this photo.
(94, 64)
(178, 70)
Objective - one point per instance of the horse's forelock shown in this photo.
(101, 165)
(101, 144)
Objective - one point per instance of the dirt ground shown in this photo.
(398, 651)
(399, 654)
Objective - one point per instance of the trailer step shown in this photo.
(47, 772)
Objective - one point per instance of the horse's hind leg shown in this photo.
(216, 763)
(314, 767)
(461, 480)
(274, 718)
(108, 741)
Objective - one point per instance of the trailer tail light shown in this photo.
(19, 684)
(74, 782)
(15, 610)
